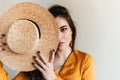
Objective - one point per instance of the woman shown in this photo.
(66, 63)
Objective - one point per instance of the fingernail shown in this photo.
(32, 63)
(4, 43)
(38, 52)
(53, 50)
(3, 35)
(3, 49)
(34, 57)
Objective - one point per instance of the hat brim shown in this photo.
(47, 42)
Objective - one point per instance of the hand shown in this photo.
(44, 66)
(2, 43)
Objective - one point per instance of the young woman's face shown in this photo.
(65, 33)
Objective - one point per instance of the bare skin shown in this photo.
(1, 43)
(59, 57)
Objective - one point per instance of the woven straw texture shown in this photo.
(28, 27)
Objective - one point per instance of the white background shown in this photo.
(98, 31)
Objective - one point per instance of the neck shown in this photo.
(60, 57)
(63, 53)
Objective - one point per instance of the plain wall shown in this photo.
(98, 31)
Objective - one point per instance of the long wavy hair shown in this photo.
(60, 11)
(57, 10)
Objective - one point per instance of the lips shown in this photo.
(60, 43)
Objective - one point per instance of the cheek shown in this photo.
(69, 38)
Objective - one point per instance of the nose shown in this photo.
(60, 35)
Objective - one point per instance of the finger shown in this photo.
(42, 57)
(52, 56)
(38, 67)
(2, 49)
(3, 44)
(39, 62)
(2, 35)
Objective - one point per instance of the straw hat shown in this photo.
(28, 28)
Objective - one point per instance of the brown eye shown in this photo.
(63, 29)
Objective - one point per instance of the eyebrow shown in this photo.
(63, 26)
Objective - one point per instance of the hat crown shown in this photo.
(27, 33)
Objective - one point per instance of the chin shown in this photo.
(61, 47)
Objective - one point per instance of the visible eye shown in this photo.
(63, 29)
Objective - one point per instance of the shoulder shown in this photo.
(3, 73)
(23, 76)
(86, 65)
(86, 57)
(82, 54)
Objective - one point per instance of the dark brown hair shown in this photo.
(56, 11)
(34, 75)
(60, 11)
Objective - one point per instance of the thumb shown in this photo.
(52, 56)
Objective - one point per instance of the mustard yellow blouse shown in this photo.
(78, 66)
(3, 73)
